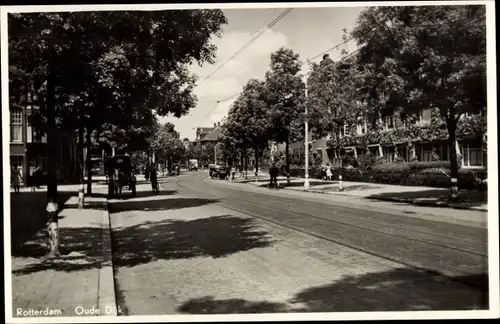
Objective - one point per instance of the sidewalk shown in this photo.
(420, 196)
(80, 282)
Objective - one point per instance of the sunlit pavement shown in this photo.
(201, 248)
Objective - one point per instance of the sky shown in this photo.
(307, 31)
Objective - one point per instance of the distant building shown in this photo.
(201, 132)
(213, 135)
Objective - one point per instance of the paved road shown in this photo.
(205, 246)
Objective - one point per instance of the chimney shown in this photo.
(218, 124)
(215, 125)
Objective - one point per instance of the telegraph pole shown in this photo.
(306, 138)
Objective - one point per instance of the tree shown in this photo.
(285, 98)
(98, 67)
(426, 56)
(250, 117)
(167, 145)
(334, 98)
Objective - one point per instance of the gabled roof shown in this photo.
(204, 129)
(213, 136)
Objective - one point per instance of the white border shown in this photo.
(493, 223)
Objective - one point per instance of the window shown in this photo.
(16, 125)
(389, 153)
(425, 116)
(472, 156)
(403, 117)
(389, 122)
(346, 130)
(426, 152)
(403, 152)
(361, 126)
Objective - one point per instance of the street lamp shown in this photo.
(306, 136)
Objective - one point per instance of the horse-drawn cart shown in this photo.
(121, 174)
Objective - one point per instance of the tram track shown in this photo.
(367, 238)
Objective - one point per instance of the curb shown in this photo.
(429, 204)
(106, 289)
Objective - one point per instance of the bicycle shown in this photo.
(273, 184)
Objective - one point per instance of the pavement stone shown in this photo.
(76, 283)
(204, 259)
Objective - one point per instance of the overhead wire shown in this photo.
(308, 60)
(250, 42)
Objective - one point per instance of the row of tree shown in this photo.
(103, 75)
(269, 110)
(409, 58)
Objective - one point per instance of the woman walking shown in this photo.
(328, 173)
(16, 178)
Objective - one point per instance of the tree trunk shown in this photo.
(52, 161)
(89, 165)
(452, 127)
(245, 158)
(287, 153)
(81, 166)
(241, 160)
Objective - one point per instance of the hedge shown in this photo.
(427, 174)
(467, 179)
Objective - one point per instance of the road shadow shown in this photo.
(351, 188)
(28, 215)
(393, 290)
(214, 237)
(209, 305)
(467, 198)
(117, 206)
(80, 249)
(401, 289)
(143, 194)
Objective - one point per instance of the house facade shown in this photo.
(27, 150)
(402, 138)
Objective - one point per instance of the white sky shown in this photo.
(307, 31)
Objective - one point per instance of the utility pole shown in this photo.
(306, 137)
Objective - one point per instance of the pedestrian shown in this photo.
(36, 178)
(233, 173)
(323, 171)
(16, 178)
(273, 175)
(329, 174)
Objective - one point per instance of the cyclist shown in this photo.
(273, 174)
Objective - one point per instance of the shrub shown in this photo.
(367, 161)
(412, 166)
(350, 174)
(431, 177)
(350, 160)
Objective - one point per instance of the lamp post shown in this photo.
(306, 137)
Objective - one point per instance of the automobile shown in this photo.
(193, 165)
